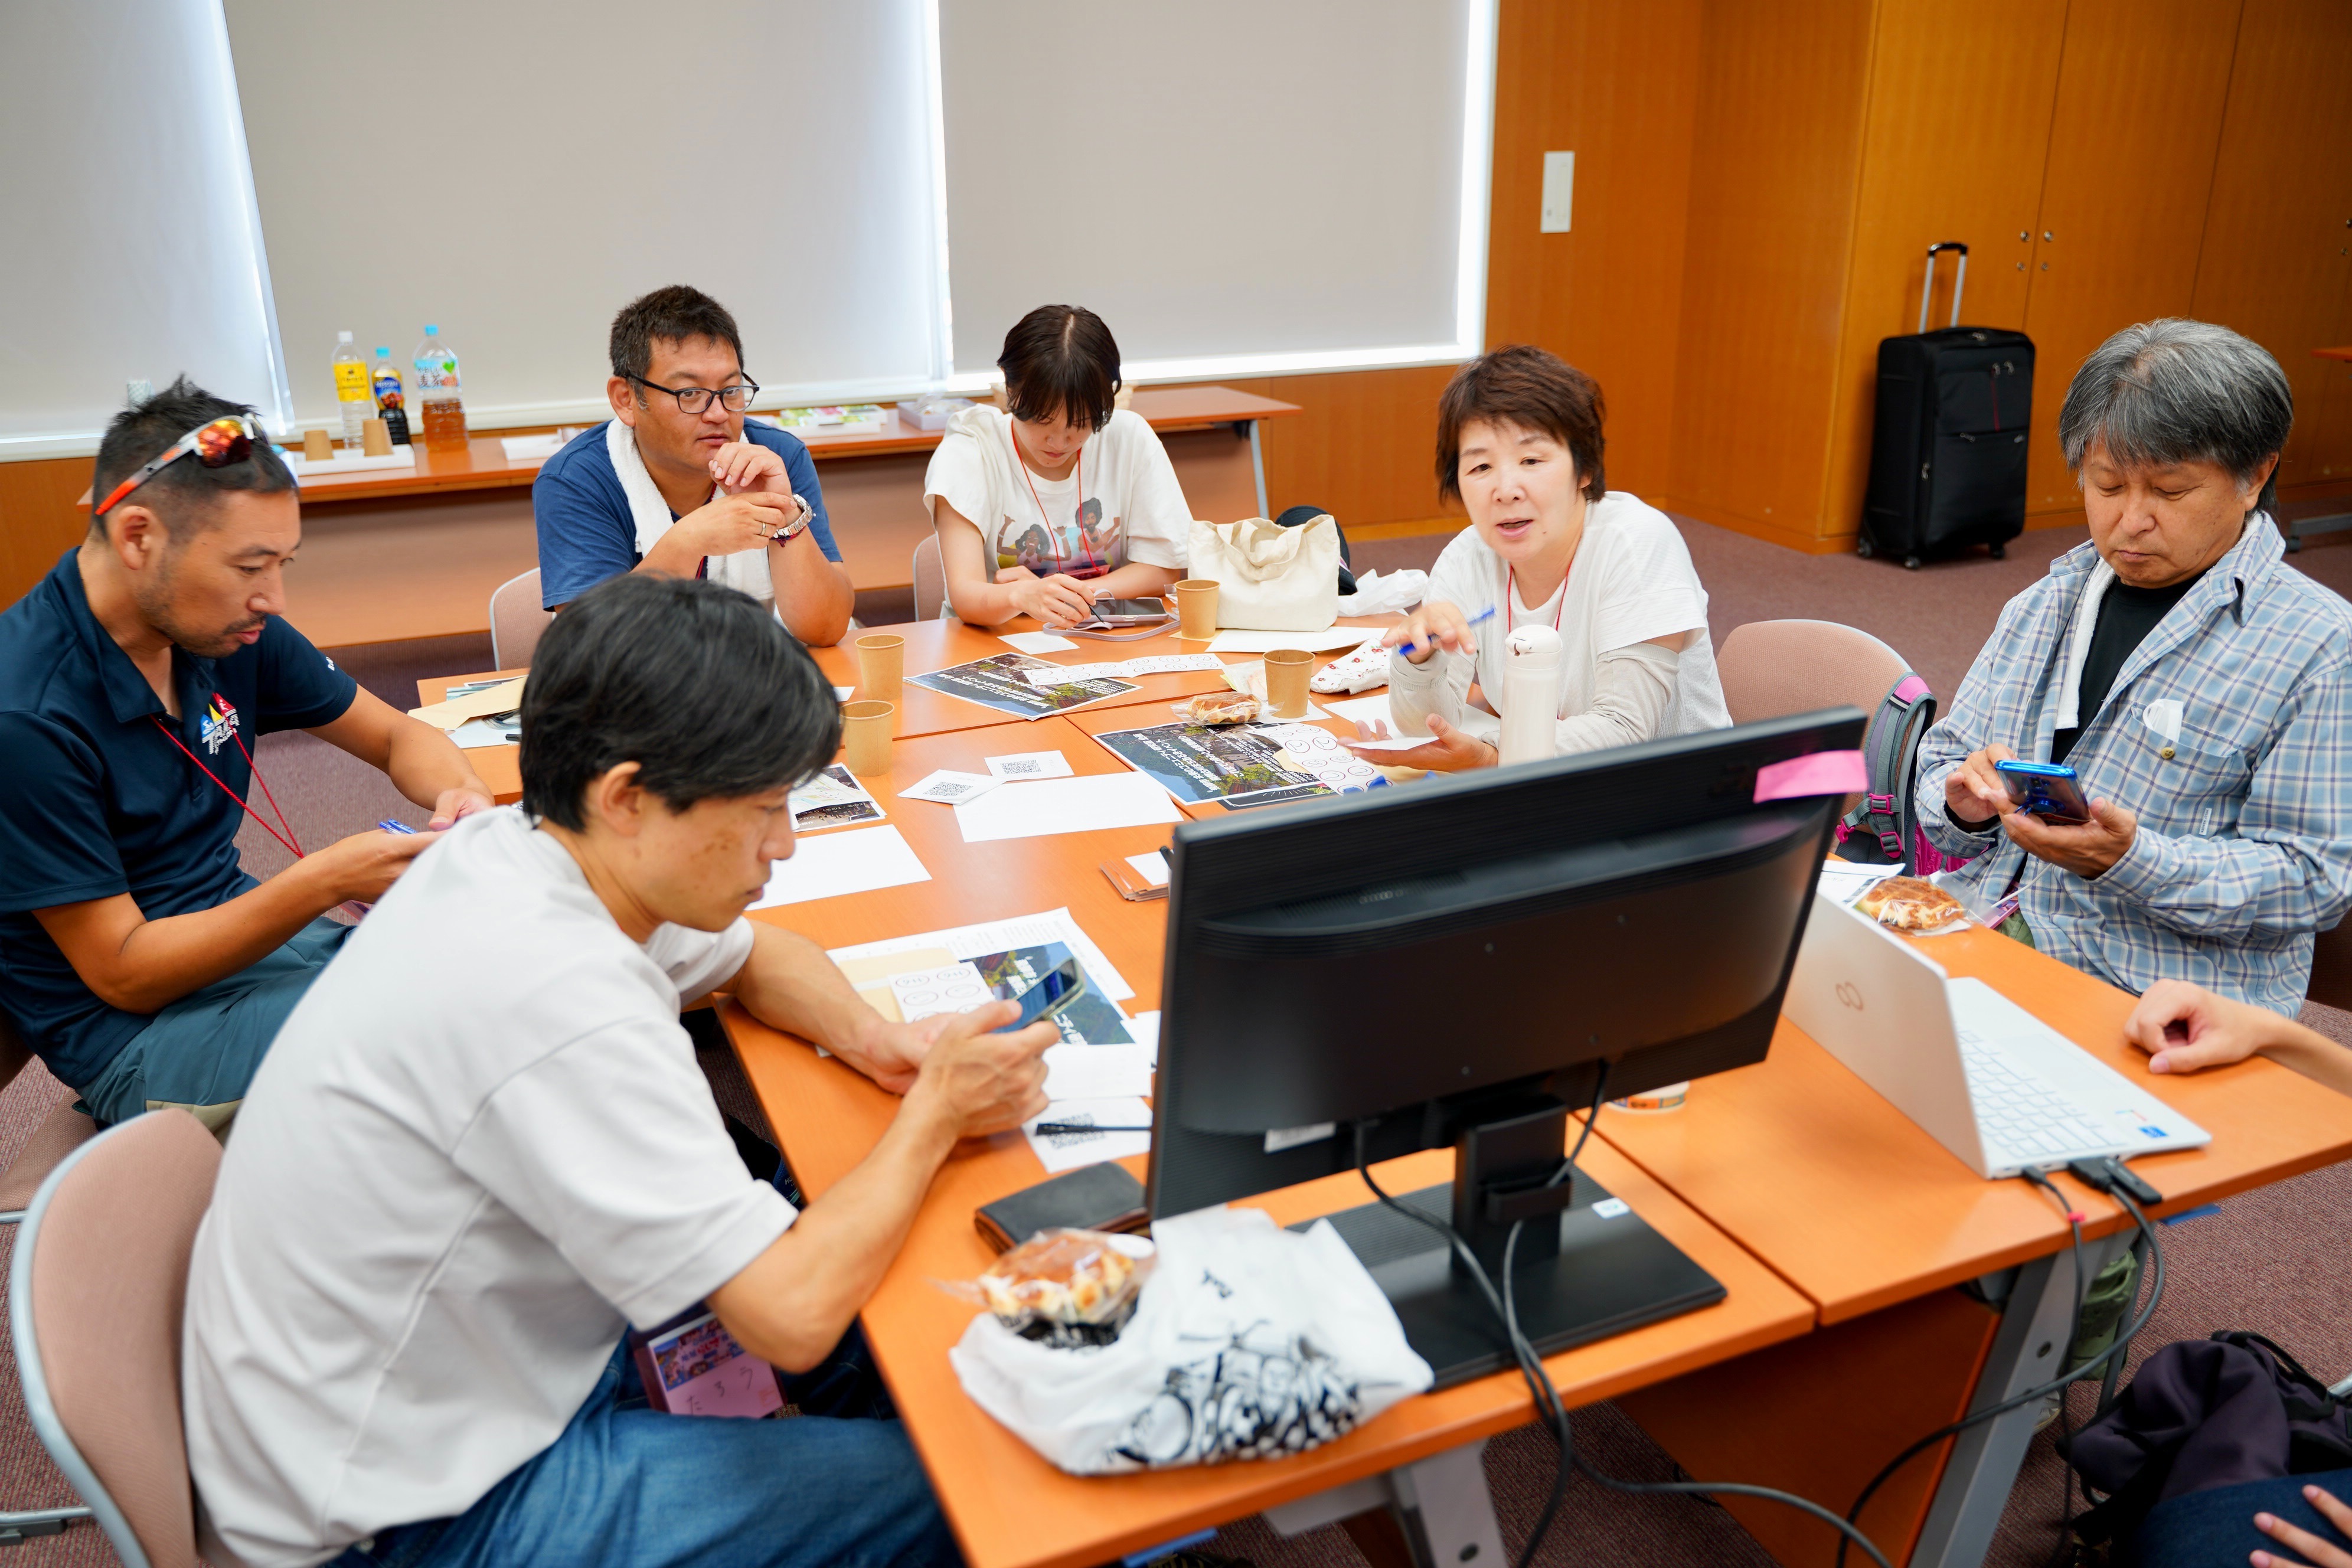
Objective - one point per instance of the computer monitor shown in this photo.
(1453, 962)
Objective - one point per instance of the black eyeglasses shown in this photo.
(695, 399)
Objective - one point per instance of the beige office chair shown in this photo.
(95, 1297)
(1772, 668)
(931, 580)
(517, 622)
(64, 1131)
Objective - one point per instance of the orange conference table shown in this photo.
(1011, 1509)
(392, 554)
(936, 644)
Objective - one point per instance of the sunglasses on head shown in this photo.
(216, 445)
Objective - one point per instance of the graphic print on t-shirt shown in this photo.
(1082, 546)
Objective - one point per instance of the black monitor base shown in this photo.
(1611, 1273)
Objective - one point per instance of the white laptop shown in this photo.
(1992, 1083)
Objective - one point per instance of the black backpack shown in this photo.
(2202, 1413)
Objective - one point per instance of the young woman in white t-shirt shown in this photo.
(1519, 444)
(1061, 500)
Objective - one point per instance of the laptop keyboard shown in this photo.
(2020, 1117)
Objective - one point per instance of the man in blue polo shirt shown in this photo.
(136, 957)
(676, 482)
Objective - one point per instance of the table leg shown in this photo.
(1440, 1507)
(2037, 1325)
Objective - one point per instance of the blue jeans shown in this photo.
(628, 1487)
(200, 1053)
(2216, 1529)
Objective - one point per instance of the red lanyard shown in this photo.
(1511, 587)
(1053, 534)
(228, 715)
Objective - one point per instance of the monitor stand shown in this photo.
(1587, 1266)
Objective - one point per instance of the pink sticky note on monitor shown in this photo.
(1818, 773)
(698, 1369)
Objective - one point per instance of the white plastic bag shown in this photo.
(1377, 596)
(1251, 1341)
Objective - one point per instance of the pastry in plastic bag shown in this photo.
(1910, 903)
(1065, 1288)
(1217, 708)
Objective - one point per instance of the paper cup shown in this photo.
(866, 736)
(1196, 608)
(375, 439)
(881, 663)
(1286, 670)
(318, 446)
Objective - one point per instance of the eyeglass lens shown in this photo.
(223, 442)
(695, 399)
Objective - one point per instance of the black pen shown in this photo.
(1065, 1128)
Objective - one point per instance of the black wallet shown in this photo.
(1094, 1197)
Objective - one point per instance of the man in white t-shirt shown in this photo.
(1063, 499)
(481, 1149)
(1519, 444)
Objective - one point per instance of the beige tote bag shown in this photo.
(1270, 578)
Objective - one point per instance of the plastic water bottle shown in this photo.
(352, 393)
(440, 405)
(391, 402)
(1530, 696)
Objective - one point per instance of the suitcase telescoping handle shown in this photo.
(1959, 281)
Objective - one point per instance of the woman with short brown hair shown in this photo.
(1519, 444)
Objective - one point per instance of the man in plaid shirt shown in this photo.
(2200, 687)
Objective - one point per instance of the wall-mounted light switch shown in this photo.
(1559, 191)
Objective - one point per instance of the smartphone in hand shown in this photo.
(1054, 990)
(2048, 790)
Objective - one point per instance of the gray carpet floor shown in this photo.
(2272, 1260)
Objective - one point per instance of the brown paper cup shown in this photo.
(881, 662)
(375, 439)
(1196, 608)
(1286, 670)
(318, 446)
(866, 736)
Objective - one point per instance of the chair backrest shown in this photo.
(2331, 968)
(931, 579)
(95, 1297)
(517, 622)
(1773, 668)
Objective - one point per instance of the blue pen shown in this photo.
(1409, 649)
(388, 826)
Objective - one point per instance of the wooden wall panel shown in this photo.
(2132, 148)
(1956, 134)
(1616, 81)
(38, 522)
(1362, 448)
(2277, 259)
(1775, 162)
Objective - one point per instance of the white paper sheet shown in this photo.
(1145, 1027)
(478, 733)
(1066, 805)
(1099, 1072)
(1362, 709)
(949, 788)
(1030, 765)
(1059, 1151)
(1324, 641)
(1395, 743)
(1153, 867)
(857, 861)
(528, 449)
(996, 936)
(1846, 882)
(1036, 642)
(1126, 669)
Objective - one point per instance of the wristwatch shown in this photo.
(793, 528)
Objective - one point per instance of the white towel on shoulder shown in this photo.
(747, 570)
(2078, 646)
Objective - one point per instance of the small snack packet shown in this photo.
(1217, 708)
(1064, 1289)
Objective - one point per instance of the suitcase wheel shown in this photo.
(1910, 564)
(2001, 551)
(1862, 548)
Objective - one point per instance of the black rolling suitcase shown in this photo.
(1947, 450)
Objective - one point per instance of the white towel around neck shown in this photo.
(747, 570)
(2078, 645)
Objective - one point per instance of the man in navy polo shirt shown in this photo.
(676, 482)
(136, 957)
